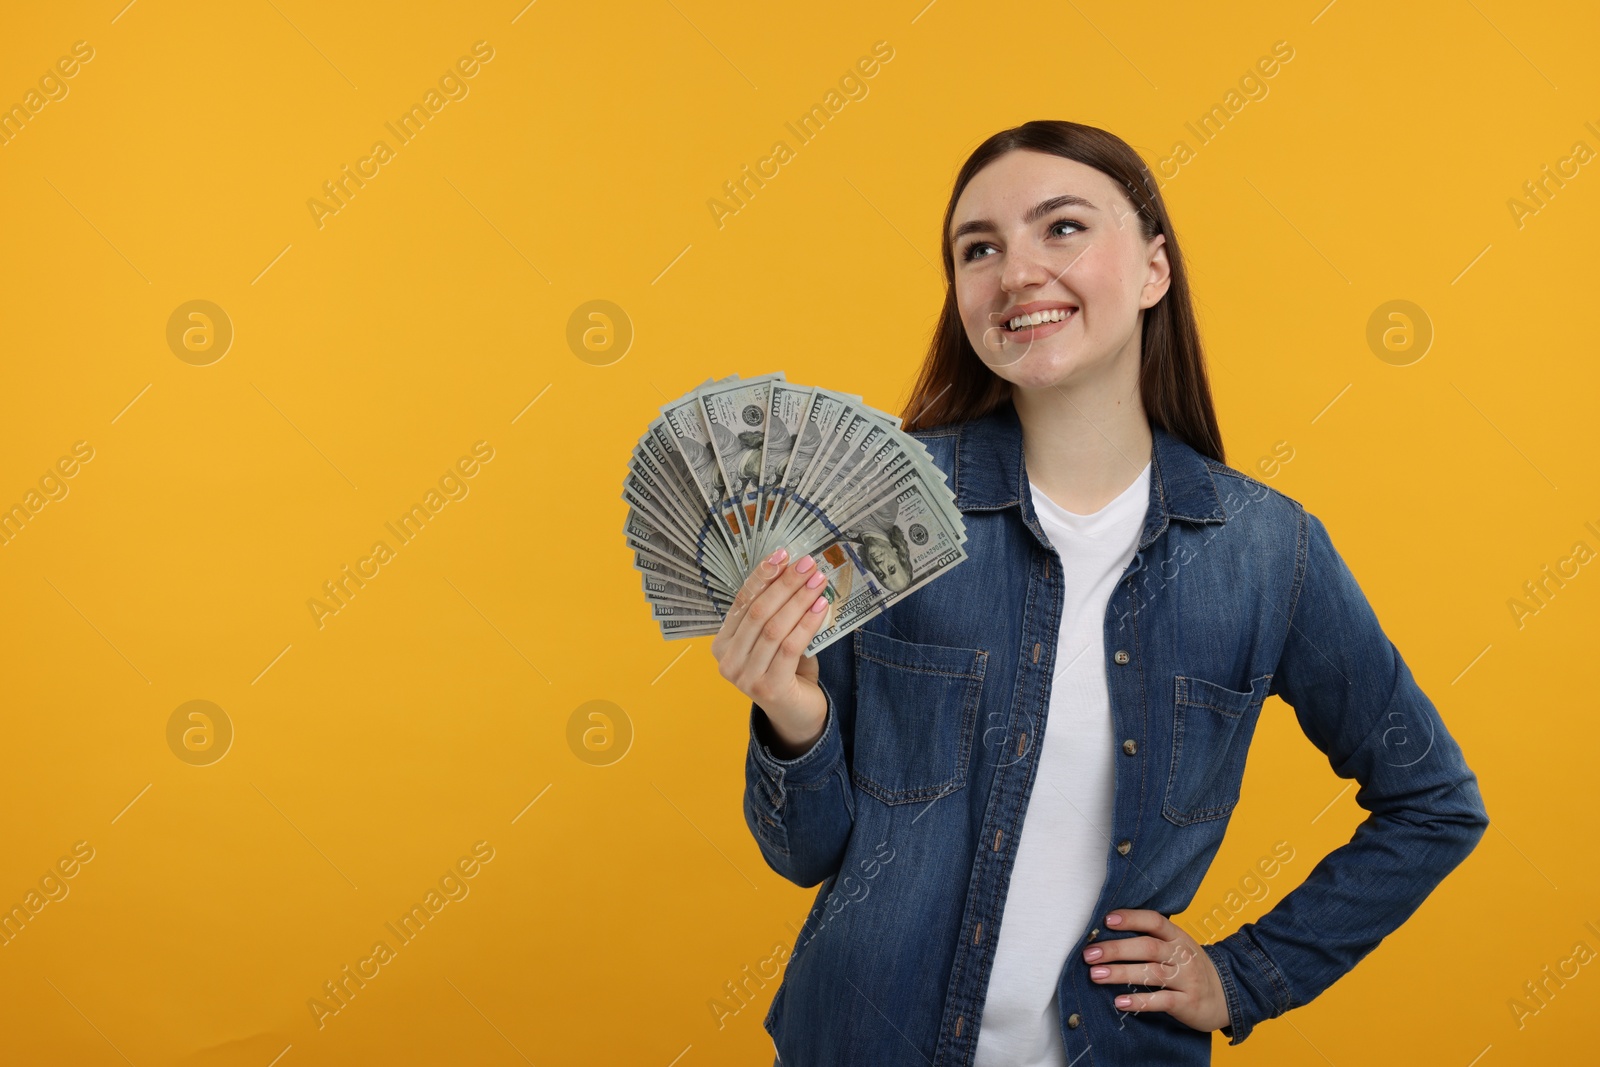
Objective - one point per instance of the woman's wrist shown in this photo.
(787, 742)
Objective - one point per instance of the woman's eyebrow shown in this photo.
(1035, 213)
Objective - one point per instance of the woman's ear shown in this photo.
(1159, 276)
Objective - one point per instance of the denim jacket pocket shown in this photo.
(1211, 728)
(916, 708)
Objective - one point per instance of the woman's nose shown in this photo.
(1026, 268)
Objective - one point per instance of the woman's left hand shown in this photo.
(1166, 956)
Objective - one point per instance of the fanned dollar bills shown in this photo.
(736, 468)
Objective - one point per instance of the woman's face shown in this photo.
(1035, 232)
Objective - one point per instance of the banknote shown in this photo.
(738, 467)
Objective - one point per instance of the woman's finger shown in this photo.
(762, 657)
(760, 576)
(1158, 1000)
(763, 606)
(1143, 920)
(1154, 972)
(755, 583)
(1125, 948)
(786, 660)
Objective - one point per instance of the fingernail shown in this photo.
(1099, 972)
(1093, 954)
(1113, 920)
(1123, 1002)
(819, 603)
(816, 580)
(805, 564)
(778, 556)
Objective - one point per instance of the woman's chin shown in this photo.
(1042, 374)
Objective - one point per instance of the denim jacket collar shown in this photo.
(990, 474)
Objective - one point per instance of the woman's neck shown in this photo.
(1081, 449)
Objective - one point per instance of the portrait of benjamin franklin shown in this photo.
(882, 546)
(888, 557)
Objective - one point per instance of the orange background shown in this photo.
(375, 346)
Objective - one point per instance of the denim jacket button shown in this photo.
(1073, 1020)
(1130, 746)
(1094, 933)
(1124, 846)
(1121, 655)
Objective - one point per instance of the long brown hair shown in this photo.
(955, 385)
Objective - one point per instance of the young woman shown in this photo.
(1010, 779)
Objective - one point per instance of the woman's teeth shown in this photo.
(1022, 322)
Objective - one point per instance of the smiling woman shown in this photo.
(1130, 604)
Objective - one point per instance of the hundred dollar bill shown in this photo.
(685, 421)
(736, 418)
(739, 466)
(648, 513)
(704, 522)
(650, 499)
(669, 590)
(824, 414)
(838, 444)
(661, 560)
(905, 541)
(786, 412)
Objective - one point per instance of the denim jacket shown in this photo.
(909, 807)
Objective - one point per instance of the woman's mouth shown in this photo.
(1040, 324)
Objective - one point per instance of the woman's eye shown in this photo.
(972, 250)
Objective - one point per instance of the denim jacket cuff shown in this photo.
(812, 765)
(1257, 994)
(1237, 1029)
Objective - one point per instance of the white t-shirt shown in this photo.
(1061, 859)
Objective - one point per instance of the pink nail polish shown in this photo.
(816, 580)
(820, 603)
(778, 556)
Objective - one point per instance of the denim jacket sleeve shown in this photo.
(1357, 701)
(801, 810)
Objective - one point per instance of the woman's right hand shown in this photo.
(761, 645)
